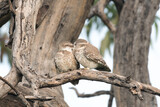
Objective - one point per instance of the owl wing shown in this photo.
(92, 53)
(78, 65)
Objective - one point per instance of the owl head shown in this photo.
(68, 46)
(80, 43)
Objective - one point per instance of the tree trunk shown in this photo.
(40, 25)
(132, 42)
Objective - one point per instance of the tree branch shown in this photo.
(102, 92)
(17, 92)
(13, 78)
(11, 7)
(4, 12)
(98, 9)
(135, 87)
(39, 98)
(110, 101)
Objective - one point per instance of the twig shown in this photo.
(17, 92)
(110, 101)
(5, 81)
(102, 92)
(11, 29)
(98, 9)
(11, 7)
(135, 87)
(107, 22)
(39, 98)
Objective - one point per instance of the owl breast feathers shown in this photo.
(65, 60)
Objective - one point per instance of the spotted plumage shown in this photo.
(89, 56)
(65, 60)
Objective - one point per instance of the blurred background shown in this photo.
(97, 34)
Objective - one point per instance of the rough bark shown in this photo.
(131, 49)
(134, 87)
(40, 25)
(4, 12)
(13, 77)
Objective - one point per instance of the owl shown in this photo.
(88, 56)
(65, 60)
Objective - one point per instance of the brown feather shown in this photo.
(92, 53)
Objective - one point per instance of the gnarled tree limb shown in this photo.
(135, 87)
(102, 92)
(17, 92)
(13, 78)
(34, 47)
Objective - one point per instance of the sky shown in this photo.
(86, 86)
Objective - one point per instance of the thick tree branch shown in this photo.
(102, 92)
(13, 78)
(135, 87)
(98, 9)
(17, 92)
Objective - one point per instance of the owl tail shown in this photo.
(104, 68)
(75, 82)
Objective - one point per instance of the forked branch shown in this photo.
(97, 93)
(102, 92)
(13, 78)
(134, 87)
(17, 92)
(98, 10)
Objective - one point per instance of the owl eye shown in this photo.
(83, 45)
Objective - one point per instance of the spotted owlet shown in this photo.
(89, 56)
(65, 60)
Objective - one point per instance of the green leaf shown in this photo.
(156, 28)
(106, 42)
